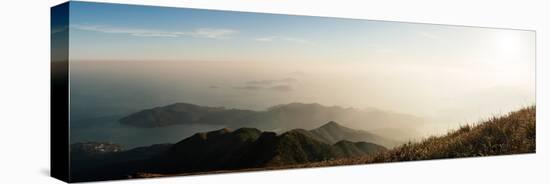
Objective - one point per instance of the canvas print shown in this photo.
(161, 91)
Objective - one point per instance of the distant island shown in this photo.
(282, 118)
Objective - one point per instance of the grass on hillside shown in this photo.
(514, 133)
(511, 134)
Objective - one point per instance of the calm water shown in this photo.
(108, 129)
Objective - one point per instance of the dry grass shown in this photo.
(511, 134)
(514, 133)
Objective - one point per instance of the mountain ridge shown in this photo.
(283, 116)
(333, 132)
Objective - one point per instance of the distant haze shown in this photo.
(123, 87)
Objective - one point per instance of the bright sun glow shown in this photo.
(509, 43)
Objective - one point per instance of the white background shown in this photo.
(24, 90)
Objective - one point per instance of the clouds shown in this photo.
(278, 88)
(429, 35)
(279, 85)
(138, 32)
(283, 39)
(212, 33)
(281, 88)
(270, 82)
(248, 87)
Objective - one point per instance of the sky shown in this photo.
(450, 74)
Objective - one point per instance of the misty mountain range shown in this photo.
(221, 150)
(278, 118)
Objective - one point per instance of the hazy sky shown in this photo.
(447, 73)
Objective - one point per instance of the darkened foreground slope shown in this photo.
(511, 134)
(223, 149)
(251, 148)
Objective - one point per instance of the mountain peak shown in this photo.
(215, 133)
(331, 124)
(224, 130)
(333, 132)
